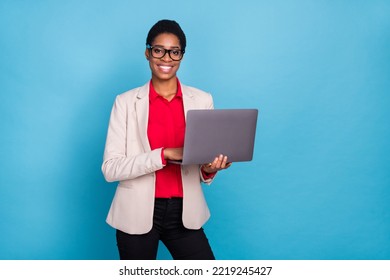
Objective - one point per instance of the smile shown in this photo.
(165, 68)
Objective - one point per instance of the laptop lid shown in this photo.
(209, 133)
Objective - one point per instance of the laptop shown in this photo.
(211, 132)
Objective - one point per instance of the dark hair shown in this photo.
(166, 26)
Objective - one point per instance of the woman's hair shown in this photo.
(166, 26)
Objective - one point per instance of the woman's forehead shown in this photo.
(166, 39)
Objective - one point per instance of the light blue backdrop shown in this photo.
(318, 71)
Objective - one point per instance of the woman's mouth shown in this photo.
(165, 68)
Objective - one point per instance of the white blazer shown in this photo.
(129, 159)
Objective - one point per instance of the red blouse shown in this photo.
(166, 128)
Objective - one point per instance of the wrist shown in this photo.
(163, 156)
(205, 169)
(207, 175)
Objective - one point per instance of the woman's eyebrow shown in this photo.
(172, 47)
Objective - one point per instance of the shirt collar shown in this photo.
(153, 95)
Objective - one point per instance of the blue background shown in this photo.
(318, 71)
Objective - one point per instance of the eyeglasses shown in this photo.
(159, 52)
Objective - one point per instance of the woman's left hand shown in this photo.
(219, 163)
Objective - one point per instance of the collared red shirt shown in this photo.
(166, 129)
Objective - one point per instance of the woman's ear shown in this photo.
(147, 54)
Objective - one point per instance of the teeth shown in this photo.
(166, 67)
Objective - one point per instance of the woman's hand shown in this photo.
(173, 153)
(218, 164)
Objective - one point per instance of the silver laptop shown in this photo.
(209, 133)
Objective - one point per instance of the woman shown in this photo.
(156, 200)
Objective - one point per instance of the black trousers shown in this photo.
(182, 243)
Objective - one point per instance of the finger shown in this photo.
(219, 162)
(214, 163)
(224, 161)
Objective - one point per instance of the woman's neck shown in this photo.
(165, 88)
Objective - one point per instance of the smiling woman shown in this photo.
(318, 187)
(157, 200)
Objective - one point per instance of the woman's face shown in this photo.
(164, 68)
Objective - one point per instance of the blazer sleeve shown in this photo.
(118, 162)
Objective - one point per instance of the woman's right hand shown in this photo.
(173, 153)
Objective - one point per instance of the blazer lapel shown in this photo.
(188, 100)
(142, 111)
